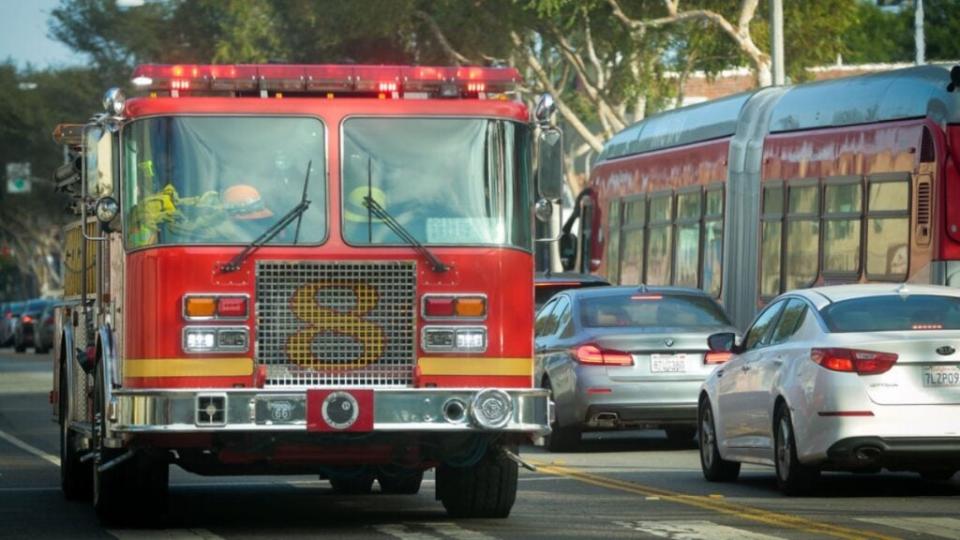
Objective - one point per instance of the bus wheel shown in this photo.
(487, 489)
(76, 478)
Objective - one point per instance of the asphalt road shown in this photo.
(628, 485)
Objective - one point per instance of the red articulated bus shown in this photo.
(839, 181)
(302, 269)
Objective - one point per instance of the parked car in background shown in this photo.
(853, 378)
(24, 328)
(43, 330)
(547, 284)
(626, 357)
(11, 312)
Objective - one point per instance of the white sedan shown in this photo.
(850, 378)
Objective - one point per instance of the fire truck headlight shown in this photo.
(454, 339)
(199, 340)
(472, 339)
(216, 339)
(492, 408)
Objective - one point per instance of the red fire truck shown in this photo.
(303, 269)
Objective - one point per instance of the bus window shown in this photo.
(634, 219)
(842, 214)
(888, 224)
(686, 263)
(660, 239)
(713, 242)
(771, 229)
(803, 236)
(613, 241)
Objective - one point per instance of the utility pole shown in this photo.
(776, 41)
(918, 36)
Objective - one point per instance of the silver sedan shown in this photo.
(850, 378)
(626, 357)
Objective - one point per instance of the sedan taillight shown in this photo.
(595, 356)
(716, 357)
(853, 360)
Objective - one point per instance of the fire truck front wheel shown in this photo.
(359, 484)
(399, 481)
(486, 489)
(128, 489)
(76, 477)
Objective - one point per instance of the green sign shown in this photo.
(18, 178)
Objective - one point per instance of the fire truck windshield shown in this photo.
(221, 180)
(447, 181)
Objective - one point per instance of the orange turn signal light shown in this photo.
(471, 306)
(200, 306)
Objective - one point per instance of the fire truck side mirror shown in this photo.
(550, 163)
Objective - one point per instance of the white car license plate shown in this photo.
(668, 363)
(941, 376)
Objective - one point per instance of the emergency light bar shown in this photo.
(392, 81)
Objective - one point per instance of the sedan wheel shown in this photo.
(793, 477)
(561, 438)
(715, 468)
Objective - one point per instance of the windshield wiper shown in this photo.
(381, 214)
(295, 213)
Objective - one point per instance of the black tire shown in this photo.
(37, 349)
(133, 492)
(793, 477)
(403, 482)
(715, 468)
(76, 477)
(938, 475)
(360, 484)
(486, 489)
(19, 347)
(680, 434)
(561, 438)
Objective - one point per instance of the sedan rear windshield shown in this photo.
(651, 309)
(892, 313)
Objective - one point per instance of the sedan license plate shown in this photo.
(668, 363)
(939, 376)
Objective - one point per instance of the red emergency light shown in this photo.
(326, 79)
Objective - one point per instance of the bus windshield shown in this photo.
(447, 181)
(221, 180)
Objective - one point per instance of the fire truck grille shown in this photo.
(323, 323)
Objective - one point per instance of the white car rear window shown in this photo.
(893, 313)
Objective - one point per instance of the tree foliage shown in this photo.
(32, 102)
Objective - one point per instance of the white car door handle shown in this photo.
(745, 368)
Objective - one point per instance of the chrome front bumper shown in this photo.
(284, 410)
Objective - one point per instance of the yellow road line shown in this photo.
(775, 519)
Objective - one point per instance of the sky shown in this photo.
(24, 35)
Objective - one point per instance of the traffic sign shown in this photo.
(18, 177)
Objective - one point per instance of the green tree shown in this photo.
(32, 102)
(879, 36)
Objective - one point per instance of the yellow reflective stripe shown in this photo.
(476, 366)
(188, 367)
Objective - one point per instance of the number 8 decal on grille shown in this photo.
(319, 318)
